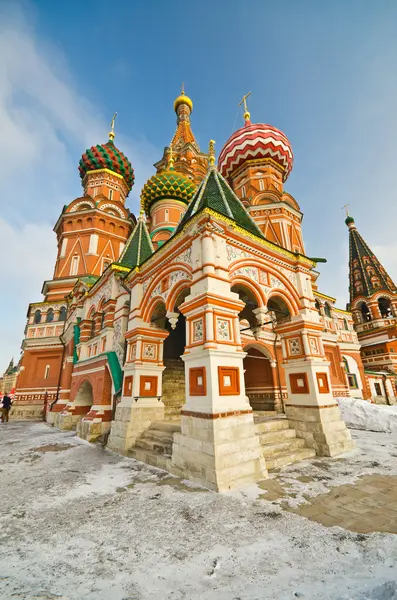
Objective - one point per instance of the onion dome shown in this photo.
(253, 142)
(167, 185)
(349, 220)
(183, 99)
(107, 156)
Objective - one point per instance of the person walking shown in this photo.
(7, 402)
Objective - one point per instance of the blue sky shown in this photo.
(325, 73)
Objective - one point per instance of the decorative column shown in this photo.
(311, 408)
(141, 403)
(217, 446)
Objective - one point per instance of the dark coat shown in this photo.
(6, 402)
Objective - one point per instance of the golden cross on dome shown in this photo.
(345, 206)
(183, 88)
(244, 101)
(111, 132)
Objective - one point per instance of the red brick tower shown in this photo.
(91, 234)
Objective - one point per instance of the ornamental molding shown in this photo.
(241, 250)
(178, 256)
(105, 292)
(113, 207)
(81, 203)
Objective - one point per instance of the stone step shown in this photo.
(161, 437)
(160, 461)
(144, 443)
(288, 458)
(273, 437)
(291, 445)
(265, 413)
(165, 426)
(272, 424)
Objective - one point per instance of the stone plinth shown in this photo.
(322, 427)
(221, 452)
(131, 420)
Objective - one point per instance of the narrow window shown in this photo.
(110, 194)
(166, 218)
(74, 265)
(47, 371)
(62, 314)
(243, 191)
(261, 186)
(63, 248)
(95, 191)
(37, 316)
(50, 316)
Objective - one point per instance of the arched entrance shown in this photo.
(83, 400)
(173, 383)
(259, 376)
(247, 317)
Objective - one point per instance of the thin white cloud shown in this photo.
(46, 124)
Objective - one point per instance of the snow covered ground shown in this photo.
(78, 522)
(359, 414)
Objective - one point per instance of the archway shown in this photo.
(247, 317)
(278, 306)
(365, 313)
(385, 308)
(260, 381)
(173, 380)
(84, 399)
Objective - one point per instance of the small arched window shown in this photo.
(385, 308)
(92, 332)
(345, 324)
(366, 315)
(62, 314)
(261, 185)
(317, 305)
(37, 316)
(50, 316)
(102, 320)
(327, 310)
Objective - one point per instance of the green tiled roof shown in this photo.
(215, 193)
(139, 246)
(365, 268)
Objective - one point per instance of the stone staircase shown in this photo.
(280, 445)
(173, 388)
(154, 446)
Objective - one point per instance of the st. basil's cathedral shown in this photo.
(195, 337)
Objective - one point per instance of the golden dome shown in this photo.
(183, 99)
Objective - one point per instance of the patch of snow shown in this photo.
(149, 540)
(360, 414)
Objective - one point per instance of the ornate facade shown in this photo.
(196, 338)
(373, 302)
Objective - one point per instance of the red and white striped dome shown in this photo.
(254, 141)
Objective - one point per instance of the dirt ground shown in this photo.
(79, 522)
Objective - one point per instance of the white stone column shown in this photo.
(218, 446)
(310, 408)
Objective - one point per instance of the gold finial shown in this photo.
(111, 132)
(247, 115)
(211, 152)
(345, 206)
(183, 89)
(170, 164)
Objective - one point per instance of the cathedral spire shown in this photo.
(183, 107)
(367, 276)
